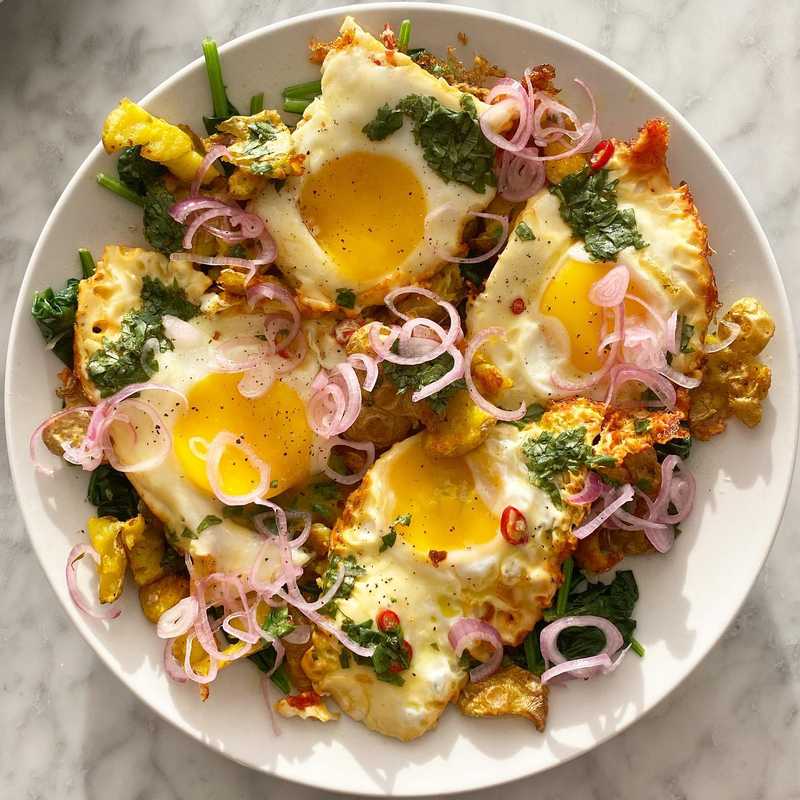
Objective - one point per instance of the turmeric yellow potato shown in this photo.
(129, 124)
(559, 169)
(159, 596)
(463, 427)
(105, 534)
(146, 546)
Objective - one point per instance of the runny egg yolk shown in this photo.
(274, 425)
(566, 297)
(439, 494)
(367, 212)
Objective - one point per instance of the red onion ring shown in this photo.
(499, 413)
(465, 633)
(272, 291)
(217, 151)
(347, 480)
(489, 253)
(160, 449)
(519, 179)
(78, 552)
(623, 495)
(584, 668)
(453, 374)
(171, 666)
(661, 386)
(548, 638)
(592, 490)
(673, 345)
(678, 378)
(213, 666)
(177, 620)
(515, 96)
(218, 445)
(369, 365)
(181, 332)
(734, 331)
(610, 290)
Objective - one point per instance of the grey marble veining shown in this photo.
(68, 728)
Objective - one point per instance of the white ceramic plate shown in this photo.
(687, 597)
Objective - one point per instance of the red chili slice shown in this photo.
(517, 305)
(396, 666)
(601, 155)
(303, 700)
(514, 526)
(387, 620)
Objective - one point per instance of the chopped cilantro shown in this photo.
(119, 361)
(260, 145)
(390, 538)
(589, 206)
(549, 456)
(387, 120)
(187, 533)
(346, 298)
(524, 232)
(208, 521)
(278, 623)
(352, 569)
(415, 376)
(641, 425)
(160, 229)
(136, 171)
(390, 656)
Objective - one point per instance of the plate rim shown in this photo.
(21, 310)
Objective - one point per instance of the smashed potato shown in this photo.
(106, 536)
(146, 546)
(129, 124)
(162, 594)
(306, 705)
(463, 427)
(513, 691)
(735, 383)
(260, 144)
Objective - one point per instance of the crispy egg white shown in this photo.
(560, 330)
(275, 425)
(360, 217)
(455, 506)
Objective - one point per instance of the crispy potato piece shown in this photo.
(106, 535)
(559, 169)
(463, 427)
(260, 144)
(512, 690)
(244, 185)
(129, 124)
(71, 428)
(159, 596)
(288, 707)
(735, 383)
(146, 546)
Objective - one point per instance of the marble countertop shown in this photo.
(732, 68)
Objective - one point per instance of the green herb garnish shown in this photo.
(641, 425)
(679, 446)
(687, 331)
(346, 298)
(566, 585)
(297, 97)
(188, 533)
(278, 623)
(208, 521)
(260, 144)
(119, 362)
(119, 188)
(390, 538)
(452, 142)
(390, 657)
(549, 456)
(404, 35)
(162, 232)
(352, 569)
(222, 107)
(413, 377)
(88, 266)
(112, 493)
(524, 232)
(532, 414)
(589, 206)
(256, 104)
(137, 172)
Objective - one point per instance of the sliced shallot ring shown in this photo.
(499, 413)
(548, 638)
(734, 331)
(347, 480)
(77, 553)
(213, 666)
(161, 448)
(657, 383)
(453, 374)
(369, 365)
(584, 668)
(171, 666)
(177, 620)
(625, 495)
(218, 445)
(273, 291)
(610, 290)
(217, 151)
(489, 253)
(466, 632)
(592, 490)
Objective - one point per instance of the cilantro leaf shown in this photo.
(352, 569)
(387, 120)
(278, 623)
(589, 206)
(390, 657)
(346, 298)
(524, 232)
(390, 538)
(260, 147)
(208, 521)
(550, 456)
(641, 425)
(136, 171)
(413, 377)
(119, 361)
(532, 414)
(188, 533)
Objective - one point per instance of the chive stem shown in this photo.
(219, 99)
(296, 106)
(528, 645)
(637, 647)
(113, 185)
(87, 263)
(563, 591)
(257, 103)
(404, 36)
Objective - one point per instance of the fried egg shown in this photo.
(274, 425)
(559, 330)
(367, 215)
(455, 506)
